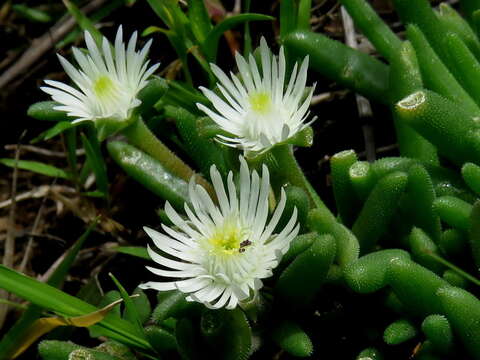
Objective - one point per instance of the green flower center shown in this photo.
(104, 87)
(260, 102)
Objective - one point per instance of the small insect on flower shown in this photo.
(108, 80)
(220, 253)
(256, 109)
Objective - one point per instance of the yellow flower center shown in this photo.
(104, 87)
(226, 240)
(260, 102)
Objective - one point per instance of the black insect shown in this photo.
(243, 245)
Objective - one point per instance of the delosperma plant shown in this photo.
(247, 259)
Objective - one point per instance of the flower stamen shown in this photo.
(104, 87)
(227, 239)
(260, 102)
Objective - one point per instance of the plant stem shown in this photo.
(289, 169)
(142, 137)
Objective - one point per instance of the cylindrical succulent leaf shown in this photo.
(378, 210)
(149, 172)
(405, 78)
(399, 332)
(44, 110)
(455, 23)
(462, 310)
(453, 211)
(302, 279)
(362, 179)
(291, 338)
(474, 232)
(296, 198)
(471, 175)
(63, 350)
(172, 304)
(437, 329)
(453, 243)
(343, 191)
(455, 279)
(368, 273)
(415, 286)
(369, 354)
(419, 201)
(227, 332)
(422, 246)
(442, 122)
(353, 69)
(323, 222)
(160, 339)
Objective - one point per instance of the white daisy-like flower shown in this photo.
(257, 110)
(108, 80)
(219, 254)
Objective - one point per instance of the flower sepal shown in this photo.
(153, 92)
(209, 129)
(255, 307)
(109, 126)
(304, 138)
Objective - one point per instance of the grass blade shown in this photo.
(97, 164)
(53, 299)
(83, 21)
(12, 339)
(138, 251)
(131, 313)
(210, 45)
(36, 167)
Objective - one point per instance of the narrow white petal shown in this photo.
(176, 265)
(245, 72)
(219, 189)
(160, 286)
(255, 73)
(266, 63)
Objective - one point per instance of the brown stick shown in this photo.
(9, 252)
(41, 45)
(28, 249)
(42, 151)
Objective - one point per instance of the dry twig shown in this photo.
(9, 249)
(29, 247)
(41, 45)
(42, 151)
(36, 193)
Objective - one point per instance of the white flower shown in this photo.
(220, 253)
(257, 110)
(108, 81)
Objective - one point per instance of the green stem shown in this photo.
(142, 137)
(289, 170)
(459, 271)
